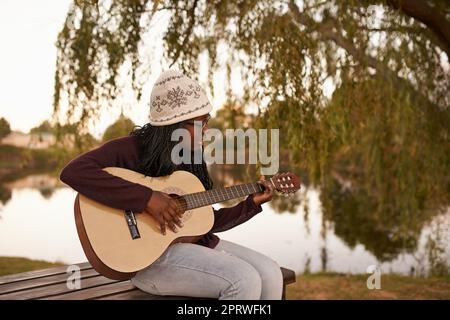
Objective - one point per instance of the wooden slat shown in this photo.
(95, 292)
(141, 295)
(40, 273)
(54, 290)
(288, 276)
(43, 281)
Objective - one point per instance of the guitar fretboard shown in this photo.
(205, 198)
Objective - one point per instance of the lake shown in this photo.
(36, 222)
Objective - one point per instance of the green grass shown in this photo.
(10, 265)
(324, 286)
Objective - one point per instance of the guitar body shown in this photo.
(105, 235)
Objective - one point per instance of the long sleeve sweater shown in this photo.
(85, 174)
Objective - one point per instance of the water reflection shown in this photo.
(357, 220)
(36, 227)
(45, 183)
(317, 230)
(385, 233)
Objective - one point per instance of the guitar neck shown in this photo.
(209, 197)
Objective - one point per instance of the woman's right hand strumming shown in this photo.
(166, 210)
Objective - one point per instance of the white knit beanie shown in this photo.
(176, 98)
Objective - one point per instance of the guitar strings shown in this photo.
(245, 188)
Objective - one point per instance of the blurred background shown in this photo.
(359, 91)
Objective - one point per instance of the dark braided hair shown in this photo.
(155, 148)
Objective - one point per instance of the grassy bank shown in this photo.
(10, 265)
(339, 286)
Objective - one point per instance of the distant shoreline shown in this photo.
(18, 162)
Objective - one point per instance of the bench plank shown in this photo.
(288, 275)
(137, 294)
(40, 273)
(55, 289)
(94, 292)
(42, 281)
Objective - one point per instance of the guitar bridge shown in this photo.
(132, 224)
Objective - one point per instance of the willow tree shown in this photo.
(382, 137)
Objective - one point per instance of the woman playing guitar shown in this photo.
(200, 266)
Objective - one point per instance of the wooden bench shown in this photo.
(51, 284)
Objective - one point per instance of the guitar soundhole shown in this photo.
(175, 192)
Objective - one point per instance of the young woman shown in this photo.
(201, 266)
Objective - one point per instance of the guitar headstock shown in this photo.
(286, 183)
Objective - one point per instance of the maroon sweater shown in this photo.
(85, 175)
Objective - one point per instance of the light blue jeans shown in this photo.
(228, 272)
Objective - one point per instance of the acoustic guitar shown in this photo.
(119, 243)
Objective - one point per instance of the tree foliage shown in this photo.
(5, 129)
(122, 127)
(44, 127)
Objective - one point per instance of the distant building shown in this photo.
(16, 138)
(41, 140)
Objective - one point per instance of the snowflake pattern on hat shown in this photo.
(175, 98)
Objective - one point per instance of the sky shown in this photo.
(28, 31)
